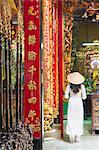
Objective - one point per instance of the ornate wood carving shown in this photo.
(69, 8)
(68, 45)
(47, 64)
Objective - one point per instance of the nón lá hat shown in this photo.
(75, 78)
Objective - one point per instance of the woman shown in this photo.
(75, 92)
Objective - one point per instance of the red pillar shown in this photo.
(60, 53)
(55, 59)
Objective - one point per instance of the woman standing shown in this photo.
(75, 92)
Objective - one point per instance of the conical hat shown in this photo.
(75, 78)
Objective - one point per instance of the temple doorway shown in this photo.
(85, 50)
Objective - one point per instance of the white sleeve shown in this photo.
(67, 92)
(83, 92)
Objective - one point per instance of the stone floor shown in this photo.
(88, 141)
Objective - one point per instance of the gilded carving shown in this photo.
(47, 62)
(68, 18)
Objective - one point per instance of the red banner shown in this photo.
(32, 65)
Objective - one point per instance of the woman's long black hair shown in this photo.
(75, 88)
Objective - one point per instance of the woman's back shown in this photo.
(81, 93)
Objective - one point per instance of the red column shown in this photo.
(60, 41)
(55, 59)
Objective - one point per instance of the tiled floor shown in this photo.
(88, 141)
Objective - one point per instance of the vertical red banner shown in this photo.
(32, 65)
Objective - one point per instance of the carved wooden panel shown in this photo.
(68, 45)
(95, 112)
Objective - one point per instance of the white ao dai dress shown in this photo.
(75, 111)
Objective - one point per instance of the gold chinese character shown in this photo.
(31, 70)
(32, 39)
(27, 121)
(31, 114)
(34, 0)
(32, 100)
(37, 129)
(31, 11)
(31, 55)
(37, 121)
(34, 130)
(31, 26)
(31, 85)
(32, 126)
